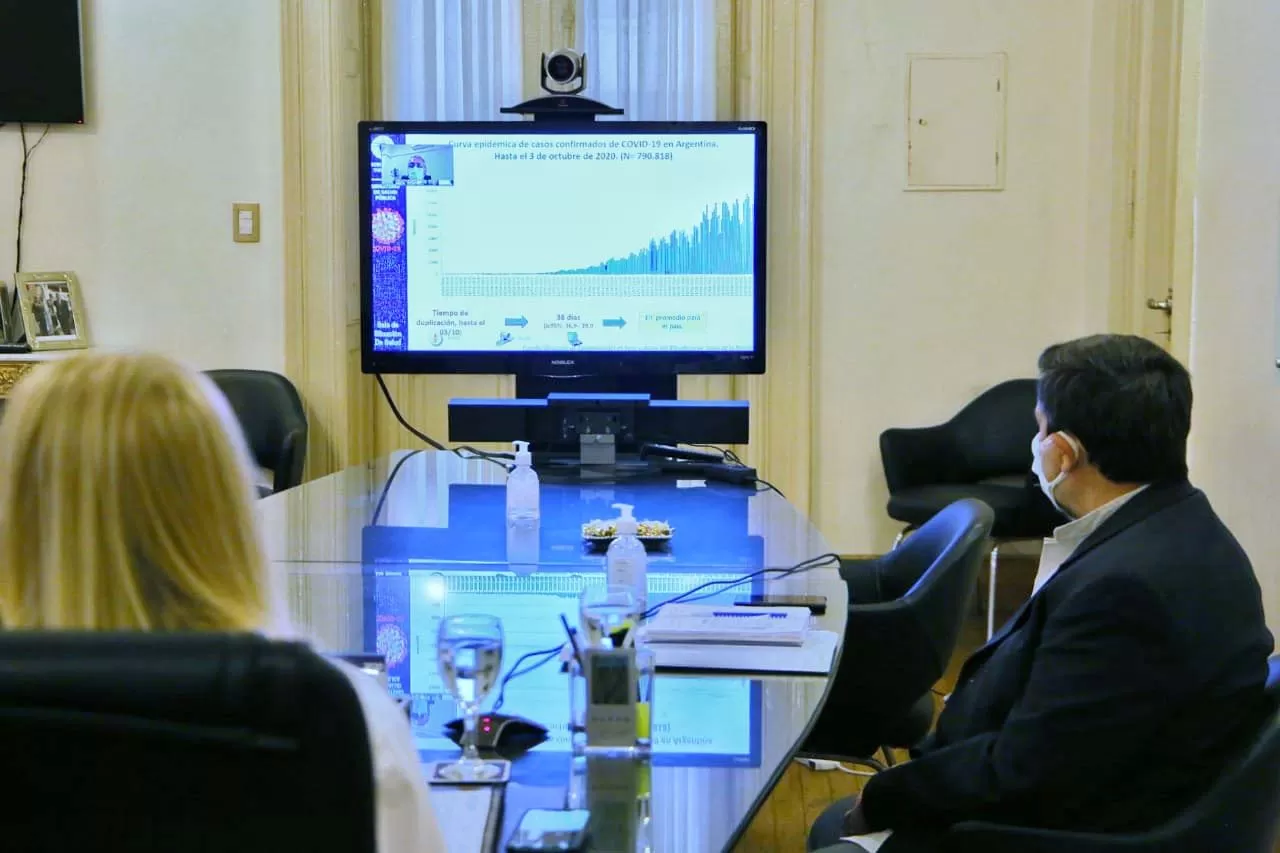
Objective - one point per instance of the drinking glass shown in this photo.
(469, 651)
(607, 613)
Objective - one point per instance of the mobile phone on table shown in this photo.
(817, 604)
(542, 830)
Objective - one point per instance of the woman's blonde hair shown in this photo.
(126, 501)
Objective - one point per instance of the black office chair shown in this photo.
(983, 452)
(898, 645)
(1239, 813)
(194, 742)
(273, 419)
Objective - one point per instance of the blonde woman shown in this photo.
(126, 503)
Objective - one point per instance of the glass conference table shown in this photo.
(374, 556)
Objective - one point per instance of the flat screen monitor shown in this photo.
(41, 80)
(552, 249)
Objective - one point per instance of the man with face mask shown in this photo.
(1113, 698)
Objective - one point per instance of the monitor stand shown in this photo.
(539, 387)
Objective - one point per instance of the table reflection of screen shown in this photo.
(697, 720)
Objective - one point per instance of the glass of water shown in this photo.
(607, 614)
(469, 651)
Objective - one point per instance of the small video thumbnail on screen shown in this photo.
(417, 165)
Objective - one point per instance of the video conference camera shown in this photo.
(564, 72)
(564, 75)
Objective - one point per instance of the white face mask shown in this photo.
(1037, 466)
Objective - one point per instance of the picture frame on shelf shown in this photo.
(51, 310)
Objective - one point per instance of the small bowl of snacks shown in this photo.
(654, 534)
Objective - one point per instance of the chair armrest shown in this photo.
(918, 456)
(293, 455)
(998, 838)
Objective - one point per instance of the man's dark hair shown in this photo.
(1126, 400)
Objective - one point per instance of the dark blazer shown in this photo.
(1112, 698)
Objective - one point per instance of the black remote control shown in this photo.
(670, 451)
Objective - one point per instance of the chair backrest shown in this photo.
(991, 436)
(899, 647)
(194, 742)
(273, 419)
(1241, 812)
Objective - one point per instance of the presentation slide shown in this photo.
(561, 242)
(716, 720)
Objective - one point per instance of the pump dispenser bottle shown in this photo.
(626, 561)
(522, 489)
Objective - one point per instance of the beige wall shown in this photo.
(925, 299)
(183, 119)
(1235, 453)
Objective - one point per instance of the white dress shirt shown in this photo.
(1067, 537)
(1057, 549)
(405, 819)
(870, 842)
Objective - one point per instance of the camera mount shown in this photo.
(564, 74)
(562, 108)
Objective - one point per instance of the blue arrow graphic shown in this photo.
(615, 324)
(517, 321)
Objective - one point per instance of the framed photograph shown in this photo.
(52, 315)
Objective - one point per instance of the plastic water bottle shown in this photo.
(626, 562)
(522, 490)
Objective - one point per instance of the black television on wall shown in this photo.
(41, 73)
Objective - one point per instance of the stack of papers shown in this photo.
(813, 658)
(721, 625)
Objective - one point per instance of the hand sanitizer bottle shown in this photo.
(522, 490)
(626, 560)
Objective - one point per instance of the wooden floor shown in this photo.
(783, 823)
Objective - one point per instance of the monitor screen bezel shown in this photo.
(69, 107)
(566, 363)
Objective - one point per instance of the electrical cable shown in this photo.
(22, 198)
(866, 774)
(727, 454)
(547, 656)
(803, 566)
(461, 452)
(822, 765)
(769, 487)
(386, 487)
(731, 458)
